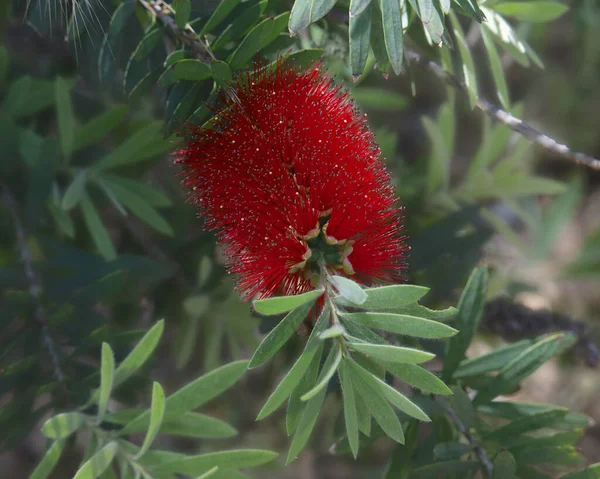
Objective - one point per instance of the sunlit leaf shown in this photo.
(279, 335)
(405, 325)
(282, 304)
(107, 374)
(157, 412)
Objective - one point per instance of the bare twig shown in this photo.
(164, 14)
(477, 449)
(34, 280)
(505, 117)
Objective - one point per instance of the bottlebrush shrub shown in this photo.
(107, 430)
(290, 178)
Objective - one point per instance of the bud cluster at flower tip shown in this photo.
(290, 178)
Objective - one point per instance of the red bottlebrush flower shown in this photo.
(290, 178)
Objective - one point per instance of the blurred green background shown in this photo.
(86, 179)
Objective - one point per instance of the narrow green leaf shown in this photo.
(75, 190)
(567, 438)
(118, 22)
(364, 416)
(98, 463)
(493, 361)
(157, 412)
(468, 66)
(146, 83)
(394, 354)
(359, 38)
(389, 297)
(62, 219)
(471, 8)
(538, 11)
(305, 12)
(447, 124)
(138, 355)
(522, 366)
(283, 304)
(361, 332)
(221, 72)
(295, 375)
(418, 377)
(515, 410)
(258, 38)
(415, 309)
(200, 464)
(296, 406)
(312, 409)
(65, 117)
(98, 127)
(147, 44)
(405, 325)
(99, 234)
(107, 375)
(49, 461)
(27, 96)
(149, 193)
(378, 40)
(470, 309)
(220, 12)
(516, 185)
(505, 36)
(376, 404)
(191, 70)
(541, 420)
(391, 18)
(188, 424)
(560, 455)
(438, 168)
(62, 425)
(556, 218)
(136, 148)
(390, 394)
(350, 414)
(374, 98)
(183, 8)
(191, 424)
(246, 19)
(138, 206)
(497, 70)
(432, 17)
(279, 335)
(325, 375)
(349, 290)
(194, 394)
(358, 6)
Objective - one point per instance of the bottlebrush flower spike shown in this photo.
(290, 178)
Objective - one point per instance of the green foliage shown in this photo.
(349, 340)
(108, 445)
(100, 242)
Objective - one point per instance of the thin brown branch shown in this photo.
(477, 449)
(164, 13)
(34, 280)
(495, 112)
